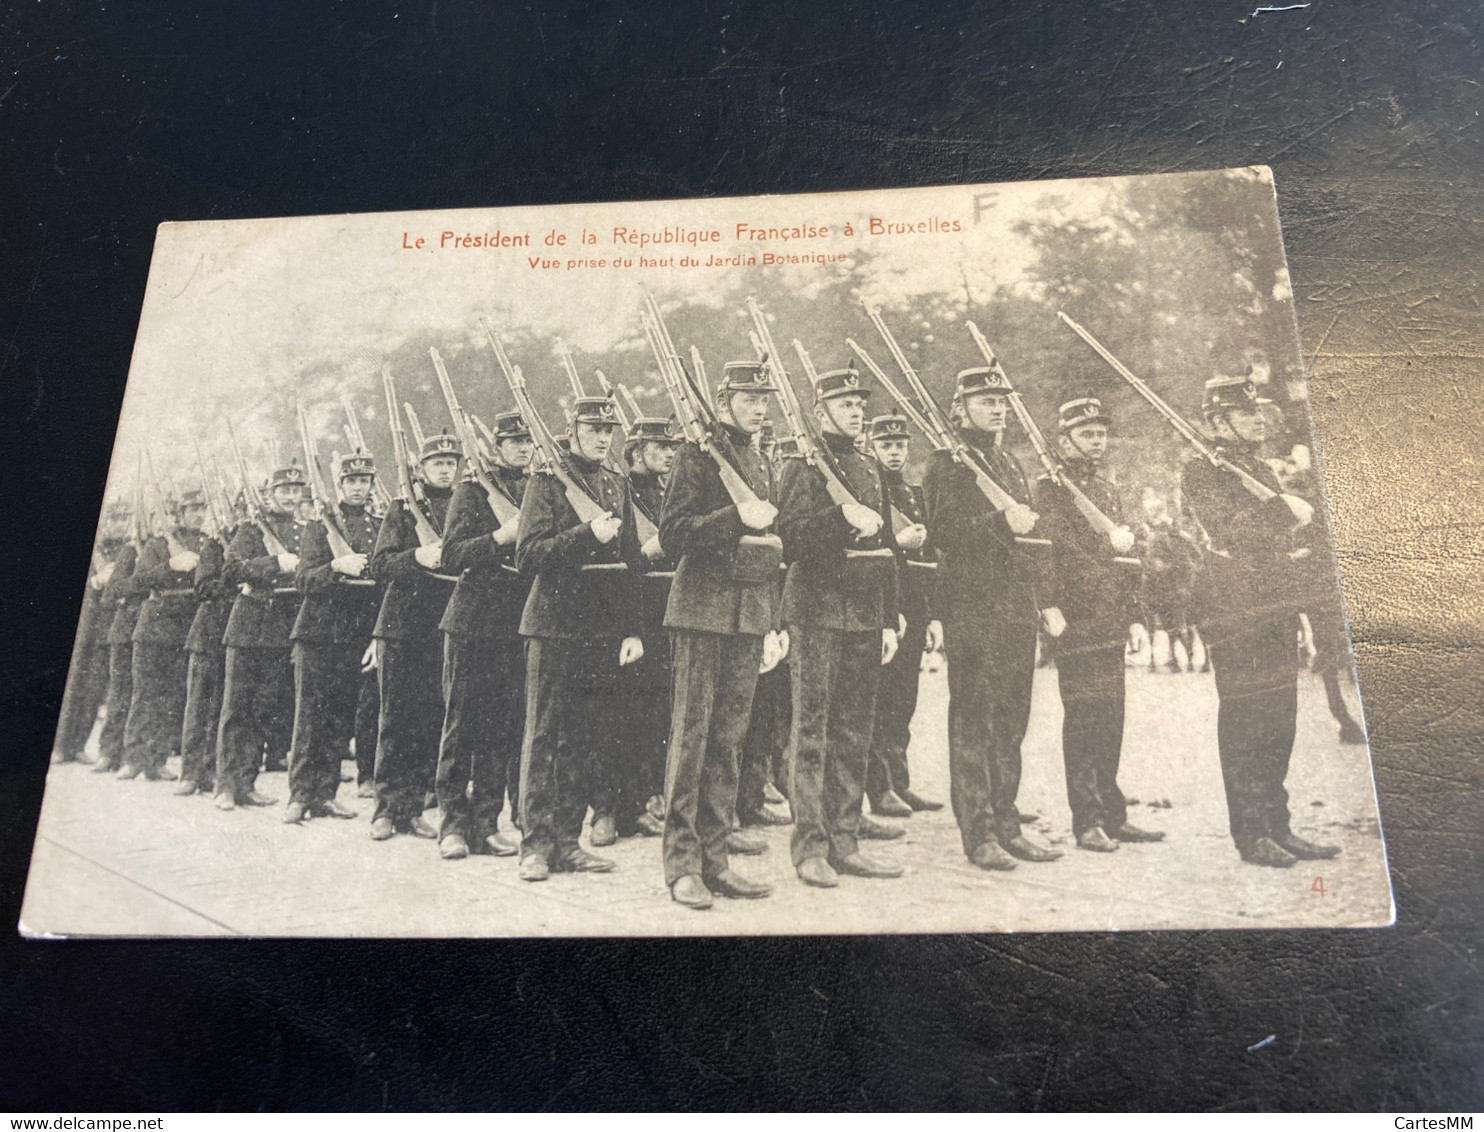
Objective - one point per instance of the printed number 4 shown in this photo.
(1317, 888)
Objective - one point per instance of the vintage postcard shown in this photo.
(926, 560)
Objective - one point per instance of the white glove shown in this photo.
(351, 565)
(429, 557)
(888, 645)
(783, 643)
(605, 528)
(912, 537)
(1054, 622)
(185, 562)
(1122, 539)
(507, 534)
(1303, 513)
(934, 636)
(757, 514)
(865, 521)
(102, 577)
(630, 650)
(288, 563)
(1138, 637)
(1021, 518)
(772, 652)
(369, 658)
(652, 548)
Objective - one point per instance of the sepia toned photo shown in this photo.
(924, 560)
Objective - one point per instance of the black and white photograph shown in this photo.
(927, 560)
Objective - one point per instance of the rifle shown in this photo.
(141, 527)
(213, 502)
(419, 437)
(339, 544)
(357, 440)
(571, 368)
(811, 448)
(943, 432)
(505, 509)
(168, 528)
(625, 421)
(695, 360)
(1188, 432)
(707, 434)
(628, 399)
(578, 494)
(256, 512)
(408, 489)
(1053, 465)
(909, 407)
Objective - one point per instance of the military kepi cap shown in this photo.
(443, 444)
(1082, 411)
(356, 464)
(592, 410)
(511, 426)
(192, 497)
(981, 379)
(291, 476)
(745, 377)
(787, 448)
(1231, 393)
(657, 430)
(889, 426)
(838, 383)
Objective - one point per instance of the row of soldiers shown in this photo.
(645, 663)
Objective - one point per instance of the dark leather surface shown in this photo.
(114, 120)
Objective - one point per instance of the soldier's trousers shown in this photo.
(120, 692)
(991, 667)
(714, 679)
(483, 724)
(87, 689)
(368, 722)
(636, 770)
(834, 692)
(570, 709)
(1257, 681)
(1089, 675)
(205, 674)
(411, 722)
(156, 705)
(764, 753)
(328, 690)
(896, 703)
(257, 709)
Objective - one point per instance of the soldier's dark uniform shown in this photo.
(410, 652)
(584, 601)
(330, 636)
(484, 668)
(1247, 607)
(723, 601)
(160, 660)
(896, 698)
(1320, 597)
(87, 675)
(644, 730)
(206, 670)
(840, 593)
(121, 603)
(985, 596)
(1099, 598)
(258, 688)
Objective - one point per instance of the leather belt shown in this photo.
(884, 552)
(659, 574)
(922, 565)
(604, 566)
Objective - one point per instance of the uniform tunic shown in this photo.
(409, 660)
(840, 593)
(484, 669)
(896, 699)
(1247, 610)
(723, 600)
(985, 596)
(258, 691)
(206, 667)
(330, 636)
(1099, 599)
(584, 601)
(160, 661)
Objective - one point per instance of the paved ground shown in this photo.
(129, 858)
